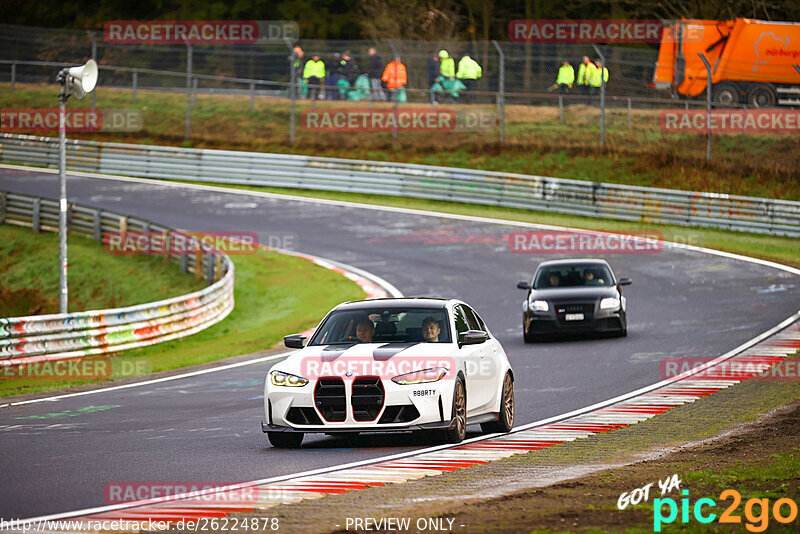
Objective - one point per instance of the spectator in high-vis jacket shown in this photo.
(314, 74)
(566, 77)
(395, 77)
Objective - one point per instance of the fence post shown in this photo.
(2, 207)
(560, 109)
(94, 57)
(97, 226)
(13, 76)
(135, 83)
(501, 93)
(708, 104)
(294, 87)
(188, 132)
(252, 96)
(194, 90)
(36, 219)
(396, 92)
(184, 262)
(629, 113)
(602, 97)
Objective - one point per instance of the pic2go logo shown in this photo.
(756, 511)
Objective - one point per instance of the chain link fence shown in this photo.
(517, 85)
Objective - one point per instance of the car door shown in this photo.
(487, 377)
(471, 356)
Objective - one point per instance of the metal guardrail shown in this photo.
(71, 335)
(611, 201)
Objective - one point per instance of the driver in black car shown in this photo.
(590, 280)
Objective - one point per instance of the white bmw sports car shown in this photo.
(388, 365)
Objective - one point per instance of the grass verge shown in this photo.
(537, 142)
(275, 294)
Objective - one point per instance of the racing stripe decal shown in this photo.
(683, 390)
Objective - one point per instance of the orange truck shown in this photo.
(753, 62)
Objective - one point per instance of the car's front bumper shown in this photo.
(404, 407)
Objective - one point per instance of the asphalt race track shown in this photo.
(207, 428)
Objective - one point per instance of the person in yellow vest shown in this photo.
(469, 72)
(313, 74)
(585, 75)
(595, 81)
(566, 77)
(447, 66)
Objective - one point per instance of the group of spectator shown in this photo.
(591, 76)
(340, 78)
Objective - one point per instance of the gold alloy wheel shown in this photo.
(508, 399)
(460, 405)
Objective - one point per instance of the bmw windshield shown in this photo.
(380, 325)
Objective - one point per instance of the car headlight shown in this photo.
(420, 377)
(611, 303)
(540, 305)
(280, 378)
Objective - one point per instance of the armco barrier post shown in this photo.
(3, 207)
(36, 217)
(602, 97)
(188, 131)
(708, 105)
(501, 93)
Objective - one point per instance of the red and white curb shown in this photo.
(743, 363)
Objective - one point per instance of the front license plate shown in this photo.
(573, 317)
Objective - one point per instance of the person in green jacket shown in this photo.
(595, 81)
(313, 74)
(447, 67)
(566, 77)
(469, 72)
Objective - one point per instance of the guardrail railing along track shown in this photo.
(70, 335)
(576, 197)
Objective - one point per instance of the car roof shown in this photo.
(596, 261)
(396, 303)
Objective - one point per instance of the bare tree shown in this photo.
(427, 20)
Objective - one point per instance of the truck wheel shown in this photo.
(761, 95)
(725, 93)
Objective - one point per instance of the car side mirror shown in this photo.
(625, 281)
(294, 341)
(523, 285)
(473, 337)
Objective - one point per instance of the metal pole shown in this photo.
(708, 105)
(94, 57)
(396, 92)
(602, 97)
(629, 113)
(501, 94)
(13, 75)
(252, 96)
(293, 89)
(135, 83)
(62, 205)
(194, 90)
(560, 109)
(188, 132)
